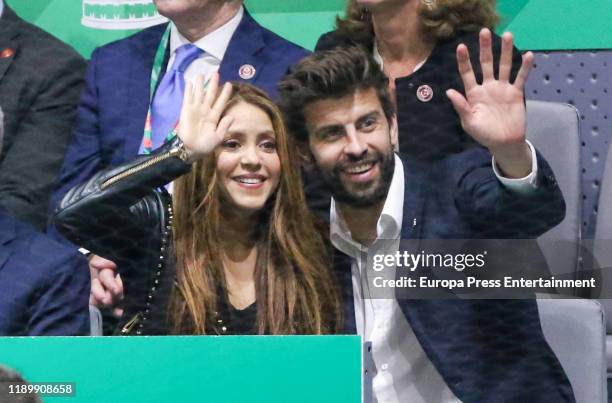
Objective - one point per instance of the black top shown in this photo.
(231, 320)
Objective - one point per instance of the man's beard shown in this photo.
(375, 191)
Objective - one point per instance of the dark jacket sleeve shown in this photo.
(44, 88)
(83, 154)
(62, 304)
(114, 211)
(498, 212)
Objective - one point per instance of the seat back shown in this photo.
(554, 129)
(602, 250)
(575, 330)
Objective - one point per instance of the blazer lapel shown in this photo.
(138, 88)
(428, 317)
(8, 39)
(241, 51)
(412, 220)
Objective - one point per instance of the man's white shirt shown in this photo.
(403, 372)
(213, 44)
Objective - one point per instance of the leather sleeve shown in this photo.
(119, 210)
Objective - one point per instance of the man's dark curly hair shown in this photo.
(331, 74)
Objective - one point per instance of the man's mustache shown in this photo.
(368, 159)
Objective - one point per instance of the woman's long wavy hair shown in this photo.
(295, 289)
(440, 19)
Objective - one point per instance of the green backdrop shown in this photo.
(193, 369)
(537, 24)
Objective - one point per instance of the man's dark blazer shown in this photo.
(44, 285)
(40, 82)
(115, 101)
(487, 351)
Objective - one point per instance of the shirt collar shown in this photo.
(1, 7)
(215, 43)
(390, 221)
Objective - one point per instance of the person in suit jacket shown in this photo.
(430, 350)
(44, 286)
(40, 82)
(114, 105)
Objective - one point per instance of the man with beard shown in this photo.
(430, 350)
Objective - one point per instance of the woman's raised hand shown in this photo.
(201, 127)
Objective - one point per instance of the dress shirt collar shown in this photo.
(215, 43)
(389, 223)
(1, 7)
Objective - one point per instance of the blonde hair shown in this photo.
(440, 19)
(295, 289)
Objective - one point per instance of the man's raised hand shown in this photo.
(493, 112)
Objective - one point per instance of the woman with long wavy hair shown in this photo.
(416, 42)
(238, 249)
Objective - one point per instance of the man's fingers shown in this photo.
(109, 282)
(486, 54)
(119, 283)
(505, 61)
(98, 262)
(118, 312)
(97, 292)
(523, 73)
(460, 104)
(465, 68)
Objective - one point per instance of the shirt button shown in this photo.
(384, 367)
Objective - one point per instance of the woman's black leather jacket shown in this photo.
(124, 214)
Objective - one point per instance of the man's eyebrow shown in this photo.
(327, 130)
(369, 115)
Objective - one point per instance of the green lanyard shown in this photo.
(147, 143)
